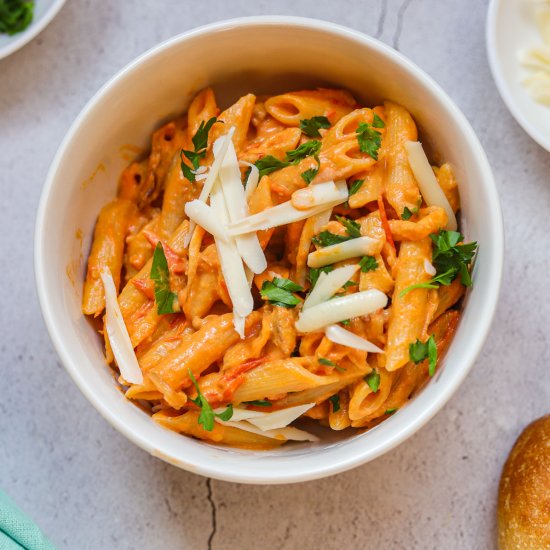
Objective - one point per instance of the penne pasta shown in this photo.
(278, 260)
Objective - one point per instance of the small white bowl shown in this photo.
(258, 54)
(511, 27)
(44, 12)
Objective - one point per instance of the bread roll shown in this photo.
(524, 492)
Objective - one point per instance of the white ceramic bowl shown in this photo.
(44, 12)
(257, 54)
(511, 27)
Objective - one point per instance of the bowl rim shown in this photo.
(493, 55)
(216, 469)
(35, 28)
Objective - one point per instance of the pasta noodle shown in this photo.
(217, 320)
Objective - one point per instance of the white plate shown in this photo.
(44, 12)
(511, 27)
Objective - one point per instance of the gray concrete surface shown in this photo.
(90, 488)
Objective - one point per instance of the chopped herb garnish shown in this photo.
(269, 163)
(326, 238)
(373, 380)
(368, 263)
(329, 363)
(258, 403)
(419, 351)
(408, 213)
(160, 275)
(335, 400)
(314, 272)
(200, 144)
(377, 122)
(308, 149)
(279, 292)
(345, 322)
(311, 126)
(369, 138)
(353, 228)
(347, 284)
(15, 15)
(450, 259)
(391, 411)
(310, 174)
(355, 185)
(207, 415)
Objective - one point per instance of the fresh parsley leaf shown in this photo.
(185, 169)
(200, 139)
(258, 403)
(207, 415)
(408, 213)
(200, 144)
(227, 414)
(353, 228)
(15, 15)
(355, 185)
(335, 400)
(287, 284)
(347, 284)
(195, 158)
(269, 164)
(310, 126)
(329, 363)
(373, 380)
(326, 238)
(369, 139)
(314, 272)
(419, 351)
(368, 263)
(449, 255)
(450, 260)
(310, 148)
(279, 292)
(310, 174)
(377, 122)
(160, 275)
(391, 411)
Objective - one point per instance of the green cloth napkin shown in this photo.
(17, 531)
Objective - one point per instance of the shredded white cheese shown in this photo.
(232, 266)
(203, 215)
(321, 220)
(361, 246)
(219, 148)
(340, 309)
(283, 434)
(283, 214)
(279, 419)
(328, 284)
(314, 195)
(427, 182)
(344, 337)
(118, 333)
(230, 177)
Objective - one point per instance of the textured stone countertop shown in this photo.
(90, 488)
